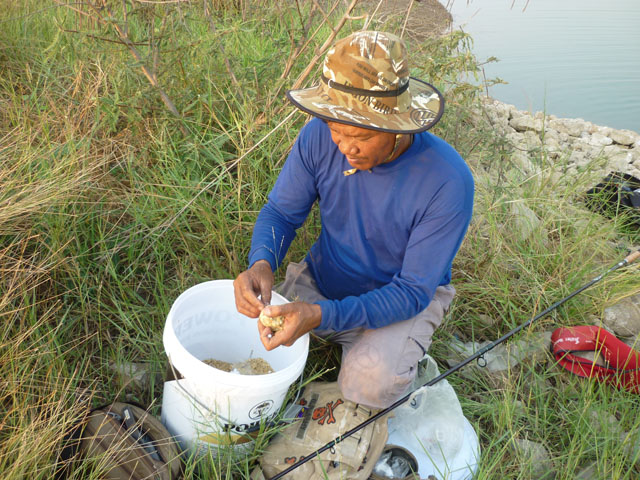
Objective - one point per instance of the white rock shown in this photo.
(531, 348)
(578, 158)
(623, 318)
(526, 123)
(552, 143)
(524, 220)
(573, 142)
(557, 177)
(132, 373)
(599, 140)
(624, 137)
(515, 113)
(633, 342)
(604, 423)
(606, 131)
(514, 138)
(571, 171)
(590, 472)
(575, 126)
(504, 109)
(620, 162)
(582, 144)
(611, 150)
(590, 127)
(536, 457)
(551, 134)
(631, 445)
(493, 114)
(522, 161)
(531, 140)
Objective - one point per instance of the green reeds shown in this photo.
(112, 204)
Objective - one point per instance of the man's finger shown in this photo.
(245, 296)
(278, 310)
(265, 292)
(269, 341)
(253, 301)
(249, 302)
(265, 336)
(245, 307)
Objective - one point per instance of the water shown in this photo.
(570, 58)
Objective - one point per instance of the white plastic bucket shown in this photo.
(209, 407)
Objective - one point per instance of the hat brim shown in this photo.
(426, 109)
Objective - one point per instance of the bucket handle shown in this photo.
(291, 411)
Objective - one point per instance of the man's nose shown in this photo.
(348, 148)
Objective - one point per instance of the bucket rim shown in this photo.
(198, 368)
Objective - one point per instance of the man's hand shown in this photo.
(299, 318)
(257, 280)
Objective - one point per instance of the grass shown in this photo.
(111, 206)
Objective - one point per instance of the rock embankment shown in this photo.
(574, 145)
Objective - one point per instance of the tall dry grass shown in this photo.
(112, 204)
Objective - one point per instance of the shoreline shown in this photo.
(574, 144)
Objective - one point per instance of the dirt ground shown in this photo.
(427, 18)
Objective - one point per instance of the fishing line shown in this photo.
(480, 353)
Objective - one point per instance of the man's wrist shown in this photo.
(317, 315)
(262, 263)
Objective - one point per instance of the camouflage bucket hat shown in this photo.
(366, 83)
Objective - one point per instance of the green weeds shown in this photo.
(112, 203)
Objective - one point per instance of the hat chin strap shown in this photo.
(396, 146)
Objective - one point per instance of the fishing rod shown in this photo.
(480, 353)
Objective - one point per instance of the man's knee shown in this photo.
(371, 380)
(378, 395)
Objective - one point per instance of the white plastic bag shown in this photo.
(431, 421)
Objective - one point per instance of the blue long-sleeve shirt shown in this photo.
(389, 235)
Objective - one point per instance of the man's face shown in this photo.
(363, 148)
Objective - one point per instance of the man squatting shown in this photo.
(395, 202)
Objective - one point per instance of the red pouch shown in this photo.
(621, 363)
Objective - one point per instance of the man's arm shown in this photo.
(430, 251)
(289, 204)
(286, 210)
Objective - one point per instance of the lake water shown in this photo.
(570, 58)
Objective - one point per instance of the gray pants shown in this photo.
(378, 365)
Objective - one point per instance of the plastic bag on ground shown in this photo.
(431, 421)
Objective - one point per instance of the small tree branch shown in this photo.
(370, 16)
(406, 19)
(301, 46)
(124, 38)
(328, 42)
(225, 58)
(126, 20)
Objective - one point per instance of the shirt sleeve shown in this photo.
(288, 204)
(433, 244)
